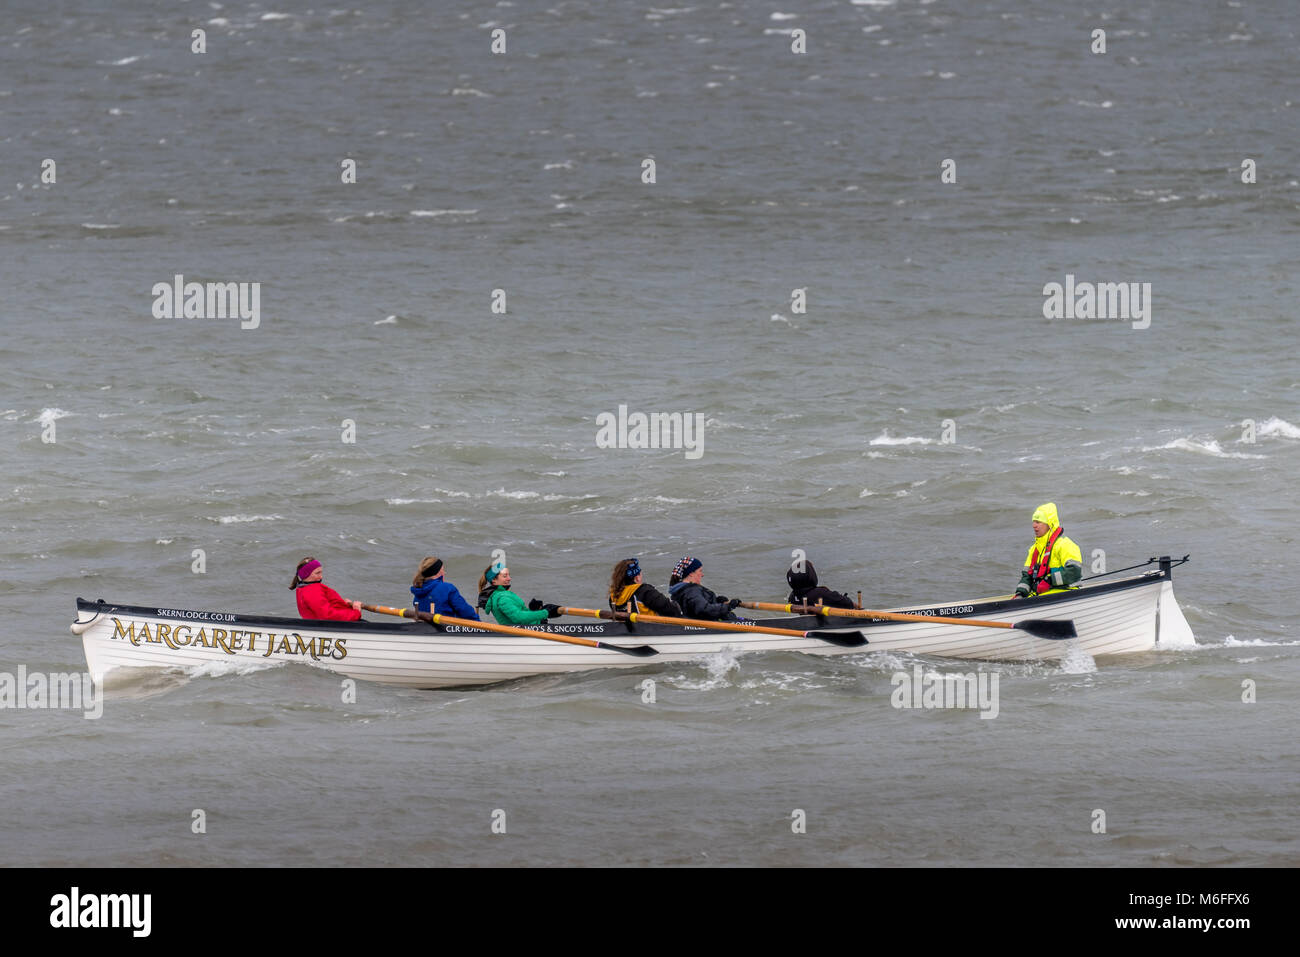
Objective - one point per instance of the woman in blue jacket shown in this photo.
(434, 594)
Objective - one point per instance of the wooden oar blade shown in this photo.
(847, 639)
(1046, 628)
(637, 651)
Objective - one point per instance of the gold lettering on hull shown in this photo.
(232, 641)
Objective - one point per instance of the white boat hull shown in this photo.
(1117, 618)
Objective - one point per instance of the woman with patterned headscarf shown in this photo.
(628, 593)
(695, 600)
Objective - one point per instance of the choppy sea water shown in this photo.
(900, 428)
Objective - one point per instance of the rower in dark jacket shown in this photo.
(695, 600)
(628, 593)
(802, 578)
(433, 594)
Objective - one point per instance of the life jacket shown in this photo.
(1040, 570)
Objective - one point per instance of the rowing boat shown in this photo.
(1123, 616)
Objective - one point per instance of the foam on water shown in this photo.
(1208, 447)
(1274, 427)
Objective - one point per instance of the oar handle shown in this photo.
(788, 609)
(389, 610)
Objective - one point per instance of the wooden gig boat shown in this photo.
(1124, 616)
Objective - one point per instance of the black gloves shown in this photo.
(734, 603)
(552, 611)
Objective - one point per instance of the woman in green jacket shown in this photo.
(505, 606)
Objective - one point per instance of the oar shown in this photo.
(639, 651)
(1038, 627)
(849, 639)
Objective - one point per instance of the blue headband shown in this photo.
(493, 572)
(633, 569)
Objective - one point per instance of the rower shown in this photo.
(495, 597)
(432, 593)
(628, 593)
(318, 601)
(1054, 562)
(686, 588)
(804, 590)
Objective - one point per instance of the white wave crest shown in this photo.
(886, 439)
(1210, 447)
(1231, 641)
(1279, 428)
(49, 415)
(229, 666)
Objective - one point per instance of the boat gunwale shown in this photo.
(978, 609)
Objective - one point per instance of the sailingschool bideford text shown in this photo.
(179, 299)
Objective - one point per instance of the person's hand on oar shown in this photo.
(552, 611)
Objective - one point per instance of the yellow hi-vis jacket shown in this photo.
(1051, 571)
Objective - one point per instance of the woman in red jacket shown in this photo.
(318, 600)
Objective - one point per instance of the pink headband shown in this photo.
(307, 569)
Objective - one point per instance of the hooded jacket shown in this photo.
(1064, 563)
(806, 591)
(442, 598)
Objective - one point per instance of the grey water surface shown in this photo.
(901, 428)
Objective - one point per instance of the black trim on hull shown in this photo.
(595, 629)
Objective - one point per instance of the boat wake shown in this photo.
(1232, 641)
(1078, 662)
(718, 666)
(131, 683)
